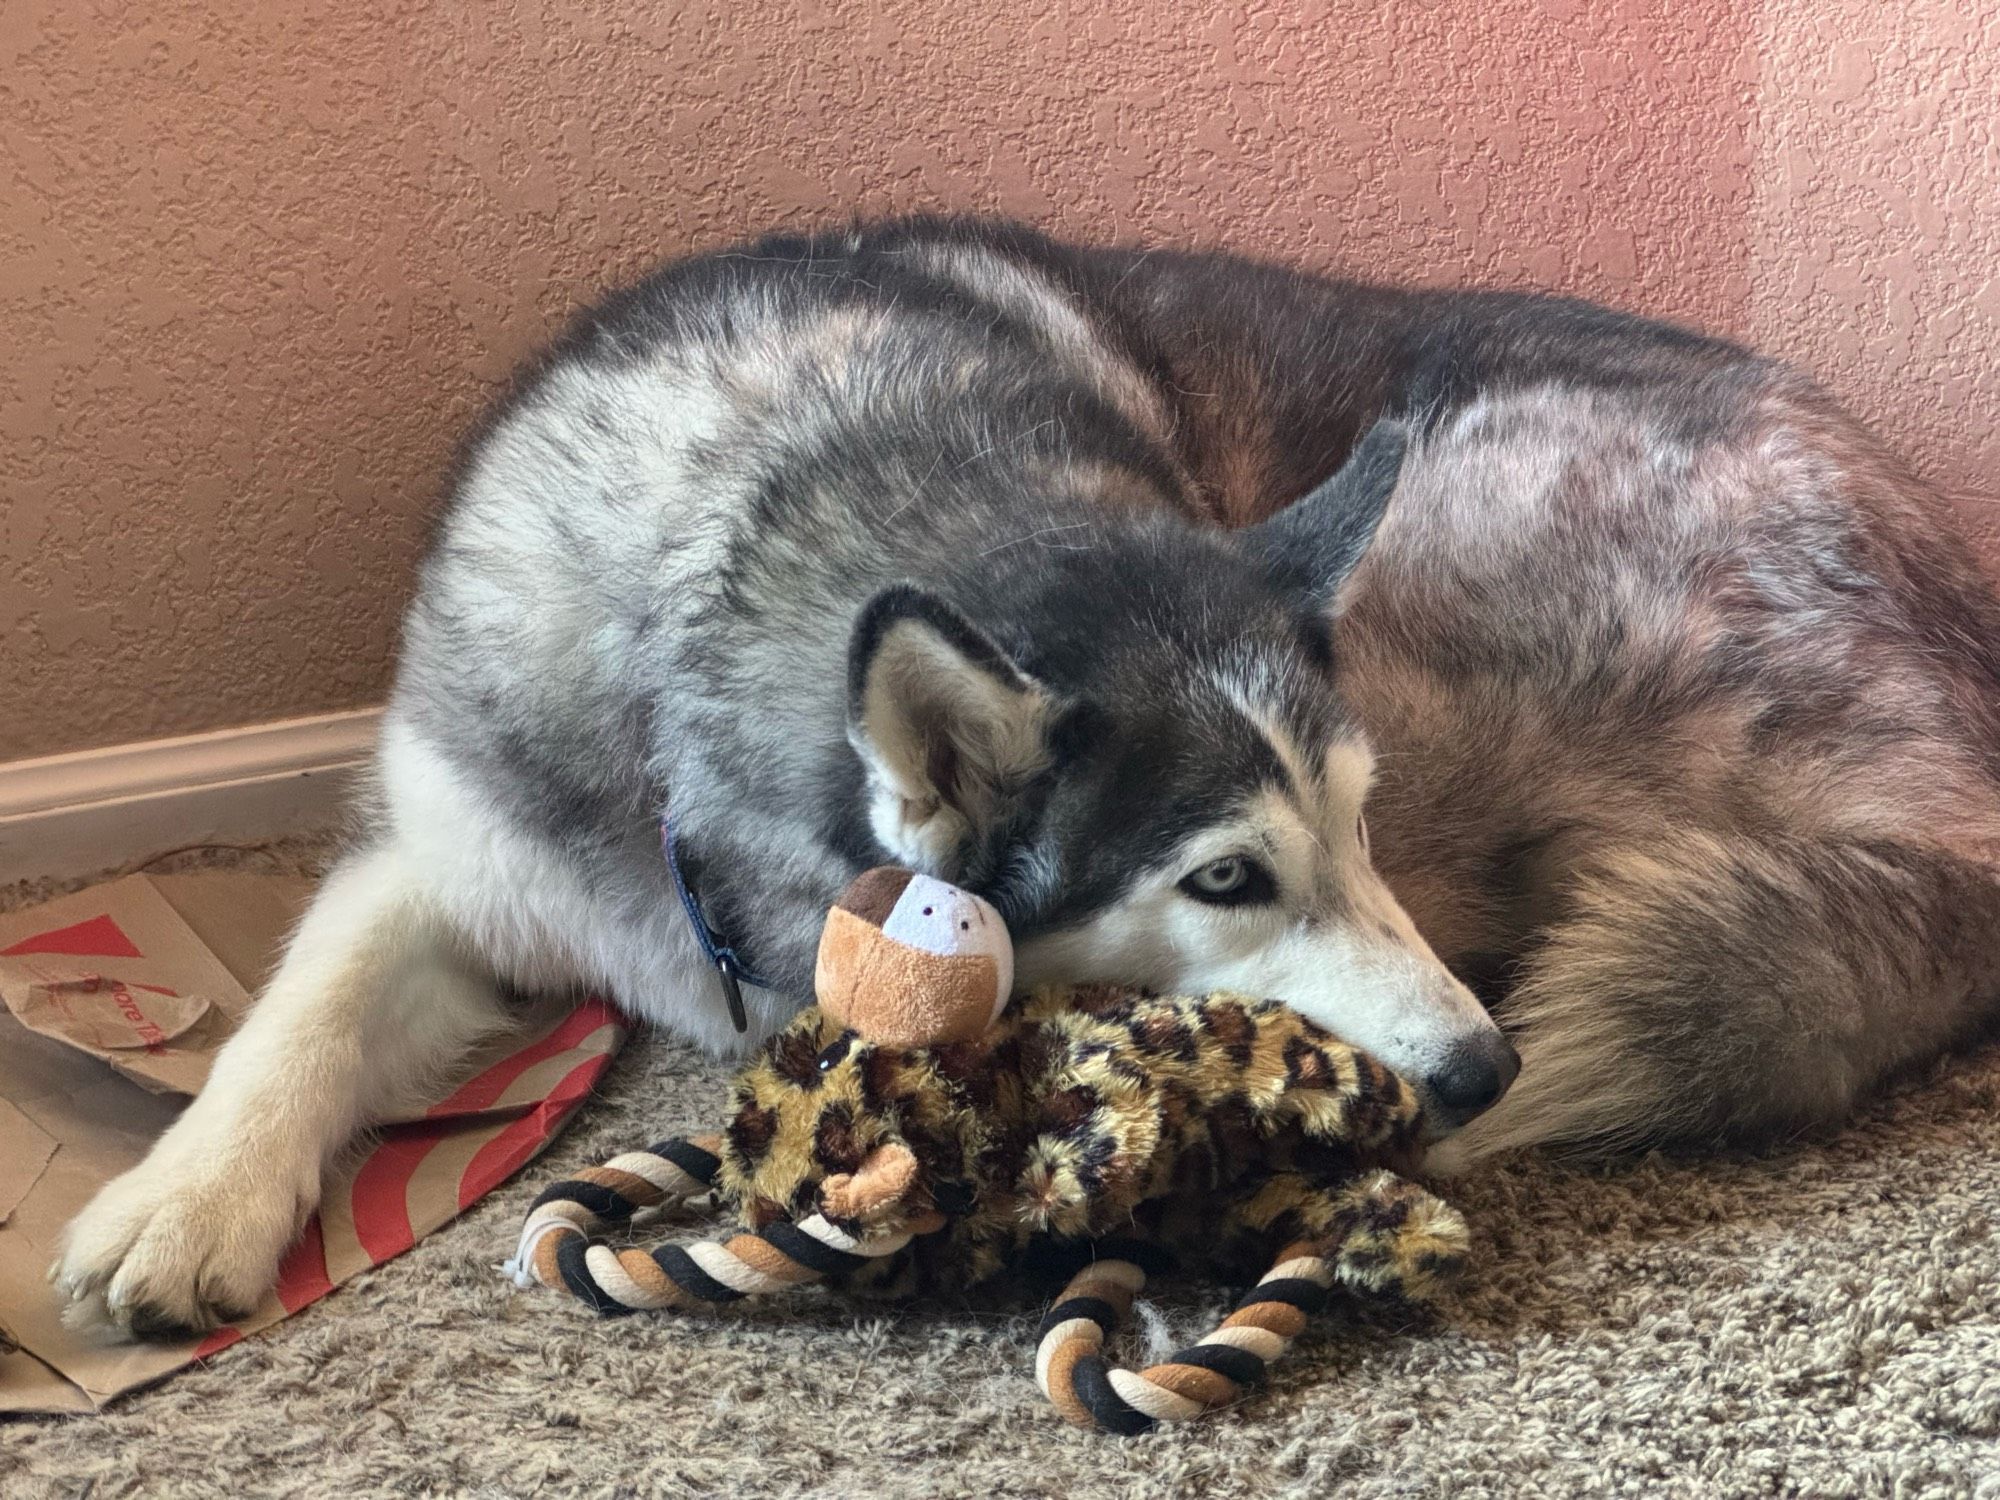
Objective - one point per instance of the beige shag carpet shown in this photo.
(1824, 1321)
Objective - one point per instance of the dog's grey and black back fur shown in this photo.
(945, 543)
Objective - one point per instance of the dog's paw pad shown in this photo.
(162, 1258)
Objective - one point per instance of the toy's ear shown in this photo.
(1318, 541)
(948, 728)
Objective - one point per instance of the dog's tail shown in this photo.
(1711, 987)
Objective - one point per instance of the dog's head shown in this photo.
(1132, 744)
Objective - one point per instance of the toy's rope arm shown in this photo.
(1385, 1237)
(560, 1244)
(601, 1198)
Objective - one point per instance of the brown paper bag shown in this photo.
(116, 1000)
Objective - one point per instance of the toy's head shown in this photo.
(908, 961)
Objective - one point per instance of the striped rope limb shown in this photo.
(560, 1243)
(1086, 1388)
(600, 1198)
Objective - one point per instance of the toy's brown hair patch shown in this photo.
(874, 893)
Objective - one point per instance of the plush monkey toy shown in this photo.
(916, 1130)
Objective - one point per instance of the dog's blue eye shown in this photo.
(1235, 881)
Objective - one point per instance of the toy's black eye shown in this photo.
(965, 927)
(1235, 881)
(831, 1058)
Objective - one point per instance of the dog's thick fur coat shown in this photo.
(1680, 702)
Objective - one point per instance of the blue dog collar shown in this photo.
(734, 974)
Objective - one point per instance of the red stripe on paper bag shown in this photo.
(380, 1196)
(481, 1092)
(381, 1190)
(504, 1155)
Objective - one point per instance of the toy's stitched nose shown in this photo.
(1475, 1075)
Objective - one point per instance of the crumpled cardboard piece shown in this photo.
(137, 990)
(116, 1001)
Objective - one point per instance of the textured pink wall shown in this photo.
(1876, 249)
(261, 262)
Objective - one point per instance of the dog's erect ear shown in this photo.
(948, 728)
(1316, 542)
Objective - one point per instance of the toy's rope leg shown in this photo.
(1069, 1362)
(703, 1272)
(1073, 1373)
(599, 1198)
(1381, 1235)
(560, 1245)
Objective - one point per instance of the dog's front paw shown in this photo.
(169, 1249)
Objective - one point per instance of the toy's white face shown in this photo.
(941, 918)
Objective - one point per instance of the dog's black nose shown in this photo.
(1474, 1076)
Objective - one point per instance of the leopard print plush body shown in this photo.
(1090, 1129)
(1217, 1128)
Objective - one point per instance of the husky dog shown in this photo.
(1112, 584)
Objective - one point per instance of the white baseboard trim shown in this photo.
(65, 815)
